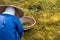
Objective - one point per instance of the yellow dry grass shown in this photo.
(47, 18)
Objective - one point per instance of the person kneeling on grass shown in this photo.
(10, 26)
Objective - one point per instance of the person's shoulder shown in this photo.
(1, 15)
(14, 17)
(10, 16)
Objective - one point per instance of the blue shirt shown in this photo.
(10, 27)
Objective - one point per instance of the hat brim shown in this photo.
(18, 12)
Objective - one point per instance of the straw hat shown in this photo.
(18, 12)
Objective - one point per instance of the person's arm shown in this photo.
(19, 27)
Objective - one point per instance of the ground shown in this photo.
(46, 14)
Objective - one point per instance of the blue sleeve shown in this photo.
(19, 27)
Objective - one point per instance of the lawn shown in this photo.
(47, 16)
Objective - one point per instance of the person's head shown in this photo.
(9, 10)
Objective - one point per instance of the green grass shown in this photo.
(46, 14)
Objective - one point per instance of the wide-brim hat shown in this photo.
(18, 12)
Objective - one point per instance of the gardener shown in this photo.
(10, 26)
